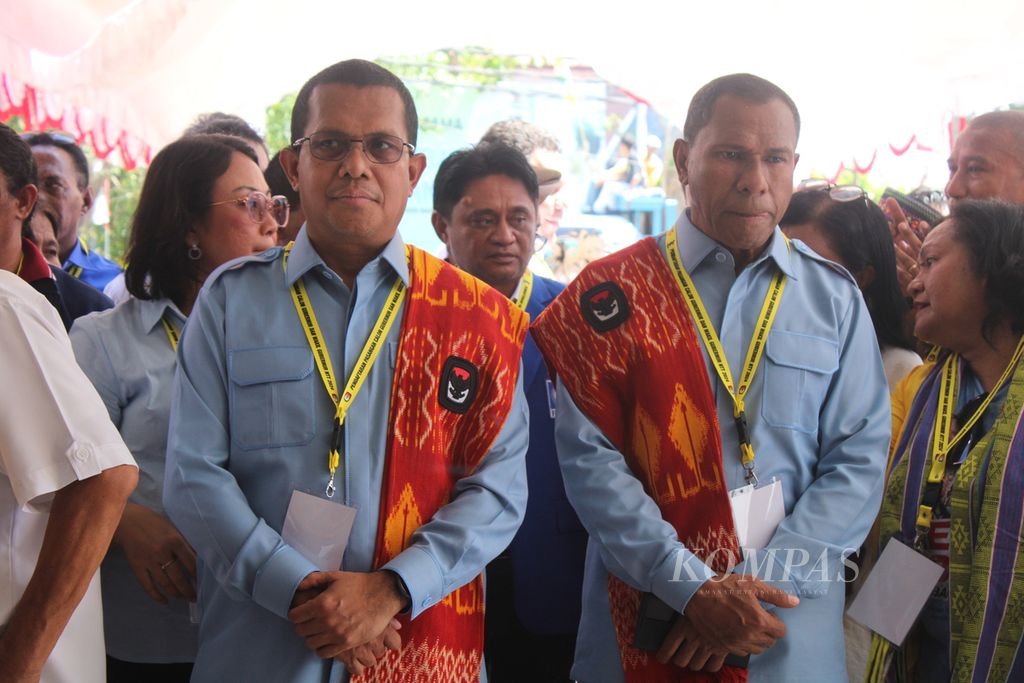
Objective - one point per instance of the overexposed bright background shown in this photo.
(869, 77)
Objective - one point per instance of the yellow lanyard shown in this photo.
(367, 357)
(173, 335)
(525, 288)
(21, 262)
(941, 444)
(755, 350)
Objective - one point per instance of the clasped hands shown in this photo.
(725, 617)
(348, 616)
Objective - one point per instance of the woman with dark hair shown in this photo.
(204, 202)
(954, 490)
(844, 226)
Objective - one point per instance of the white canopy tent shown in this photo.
(871, 79)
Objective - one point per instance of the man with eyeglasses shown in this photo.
(486, 213)
(18, 253)
(722, 421)
(64, 193)
(347, 402)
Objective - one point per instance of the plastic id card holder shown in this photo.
(757, 513)
(895, 592)
(318, 528)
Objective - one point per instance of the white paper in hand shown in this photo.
(756, 513)
(895, 592)
(318, 529)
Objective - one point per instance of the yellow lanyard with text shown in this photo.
(525, 288)
(941, 443)
(173, 335)
(367, 357)
(714, 346)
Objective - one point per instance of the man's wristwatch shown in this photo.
(403, 591)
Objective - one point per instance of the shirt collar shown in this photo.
(695, 246)
(304, 257)
(79, 256)
(33, 265)
(152, 310)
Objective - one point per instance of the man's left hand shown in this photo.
(684, 648)
(359, 659)
(353, 609)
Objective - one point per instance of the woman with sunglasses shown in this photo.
(844, 226)
(954, 492)
(203, 203)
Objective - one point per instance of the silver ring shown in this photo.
(167, 564)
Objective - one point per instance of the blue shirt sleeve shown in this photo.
(636, 544)
(487, 508)
(201, 496)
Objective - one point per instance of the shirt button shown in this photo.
(327, 275)
(720, 257)
(427, 601)
(82, 453)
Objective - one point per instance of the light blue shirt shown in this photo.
(251, 422)
(818, 413)
(127, 356)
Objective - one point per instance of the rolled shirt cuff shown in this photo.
(421, 576)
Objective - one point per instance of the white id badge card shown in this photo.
(756, 513)
(895, 592)
(318, 528)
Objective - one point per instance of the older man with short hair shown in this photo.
(64, 192)
(715, 367)
(987, 162)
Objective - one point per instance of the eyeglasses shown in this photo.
(258, 204)
(378, 147)
(840, 193)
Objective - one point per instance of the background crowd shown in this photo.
(231, 443)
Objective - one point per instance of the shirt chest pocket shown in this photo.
(272, 397)
(798, 369)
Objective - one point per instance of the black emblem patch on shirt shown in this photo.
(604, 306)
(459, 380)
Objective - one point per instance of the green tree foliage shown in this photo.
(16, 123)
(471, 66)
(279, 122)
(125, 188)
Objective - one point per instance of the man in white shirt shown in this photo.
(65, 475)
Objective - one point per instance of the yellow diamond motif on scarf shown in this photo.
(403, 520)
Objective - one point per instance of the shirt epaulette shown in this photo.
(268, 256)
